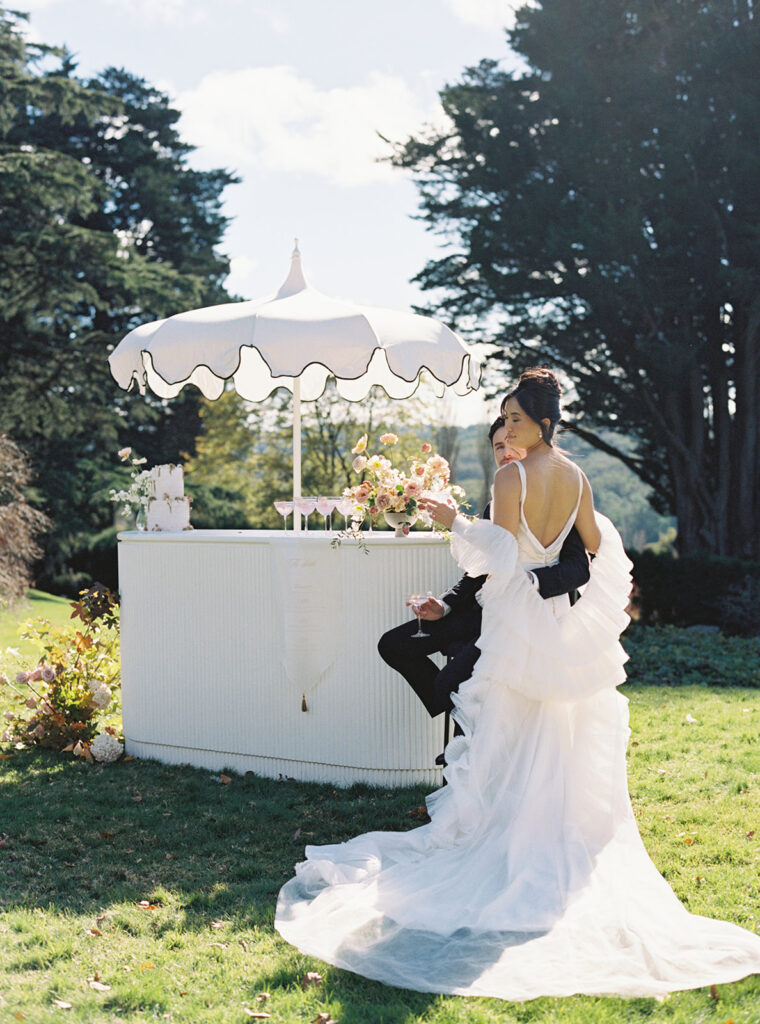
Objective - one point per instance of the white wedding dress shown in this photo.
(531, 878)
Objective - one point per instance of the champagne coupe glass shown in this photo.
(414, 600)
(306, 506)
(284, 508)
(325, 506)
(345, 506)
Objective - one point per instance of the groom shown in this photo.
(452, 623)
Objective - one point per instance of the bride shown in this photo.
(531, 878)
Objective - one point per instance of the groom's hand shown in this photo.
(430, 609)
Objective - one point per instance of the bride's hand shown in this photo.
(442, 513)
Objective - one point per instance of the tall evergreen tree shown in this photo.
(104, 225)
(603, 215)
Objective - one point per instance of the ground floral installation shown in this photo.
(64, 701)
(384, 488)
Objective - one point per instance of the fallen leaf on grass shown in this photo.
(262, 997)
(98, 985)
(137, 799)
(311, 978)
(19, 1016)
(689, 840)
(750, 834)
(93, 931)
(714, 992)
(419, 812)
(324, 1018)
(297, 833)
(219, 945)
(4, 757)
(691, 719)
(256, 1014)
(217, 924)
(107, 835)
(61, 1004)
(244, 944)
(170, 856)
(225, 779)
(147, 966)
(145, 905)
(127, 758)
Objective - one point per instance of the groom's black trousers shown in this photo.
(411, 657)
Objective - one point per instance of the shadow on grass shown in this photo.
(83, 839)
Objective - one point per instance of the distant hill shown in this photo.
(618, 492)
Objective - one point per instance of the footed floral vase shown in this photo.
(398, 520)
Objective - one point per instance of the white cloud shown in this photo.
(273, 119)
(491, 15)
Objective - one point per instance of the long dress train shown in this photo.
(531, 878)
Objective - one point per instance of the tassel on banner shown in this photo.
(303, 702)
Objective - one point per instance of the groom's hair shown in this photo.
(497, 424)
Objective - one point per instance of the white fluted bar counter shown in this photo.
(226, 633)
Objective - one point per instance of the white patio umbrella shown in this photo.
(296, 339)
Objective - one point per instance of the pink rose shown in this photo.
(383, 501)
(427, 447)
(22, 678)
(31, 702)
(8, 716)
(48, 674)
(39, 731)
(36, 675)
(3, 679)
(361, 496)
(373, 510)
(420, 471)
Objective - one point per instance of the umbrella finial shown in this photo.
(295, 281)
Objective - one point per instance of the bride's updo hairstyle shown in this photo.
(538, 391)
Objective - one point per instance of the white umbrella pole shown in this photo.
(296, 451)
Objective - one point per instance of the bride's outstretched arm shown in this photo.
(585, 521)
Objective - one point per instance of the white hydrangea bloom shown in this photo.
(101, 698)
(106, 748)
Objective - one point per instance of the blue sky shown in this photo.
(290, 94)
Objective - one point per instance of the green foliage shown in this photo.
(163, 881)
(696, 589)
(602, 216)
(104, 226)
(243, 461)
(72, 685)
(672, 656)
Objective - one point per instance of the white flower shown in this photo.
(124, 453)
(106, 748)
(359, 463)
(101, 698)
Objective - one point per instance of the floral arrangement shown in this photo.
(388, 489)
(140, 489)
(62, 700)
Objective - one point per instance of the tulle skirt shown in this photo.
(531, 878)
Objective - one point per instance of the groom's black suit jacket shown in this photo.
(571, 572)
(455, 635)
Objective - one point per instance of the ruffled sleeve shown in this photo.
(481, 548)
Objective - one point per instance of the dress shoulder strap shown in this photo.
(523, 481)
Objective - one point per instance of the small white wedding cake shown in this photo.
(168, 509)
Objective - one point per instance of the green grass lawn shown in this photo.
(141, 892)
(36, 605)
